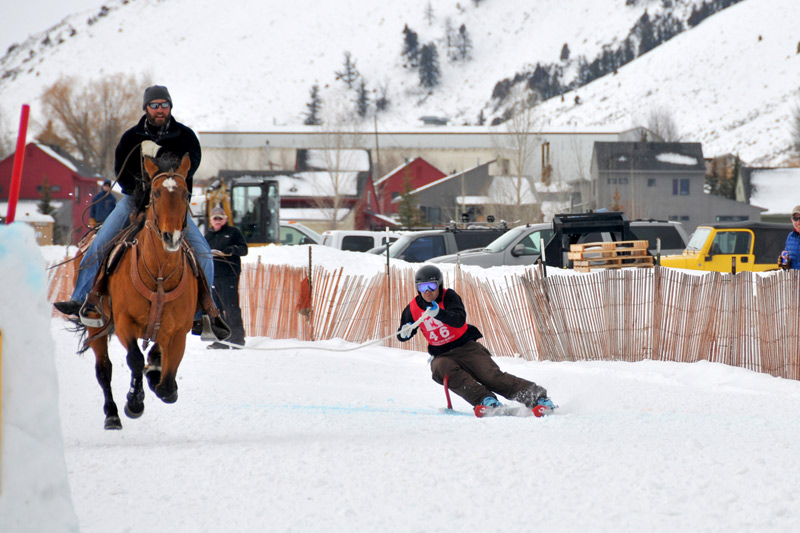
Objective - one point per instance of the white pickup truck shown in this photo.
(357, 240)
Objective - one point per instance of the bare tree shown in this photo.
(661, 123)
(338, 151)
(87, 119)
(6, 136)
(518, 148)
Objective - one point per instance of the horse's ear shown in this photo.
(186, 164)
(150, 167)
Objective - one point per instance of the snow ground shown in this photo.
(294, 439)
(281, 436)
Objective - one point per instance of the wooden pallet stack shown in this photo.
(620, 254)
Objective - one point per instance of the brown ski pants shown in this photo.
(474, 375)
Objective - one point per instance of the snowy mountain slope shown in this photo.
(252, 68)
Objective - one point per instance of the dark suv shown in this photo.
(419, 246)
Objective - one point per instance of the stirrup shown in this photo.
(207, 334)
(88, 321)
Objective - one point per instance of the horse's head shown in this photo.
(169, 199)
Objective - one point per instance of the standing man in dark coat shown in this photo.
(228, 245)
(456, 353)
(102, 205)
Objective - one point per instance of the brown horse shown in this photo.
(153, 296)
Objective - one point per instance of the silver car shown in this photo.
(517, 246)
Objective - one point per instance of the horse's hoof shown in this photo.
(130, 413)
(171, 398)
(113, 422)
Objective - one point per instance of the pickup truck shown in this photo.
(356, 240)
(419, 246)
(732, 247)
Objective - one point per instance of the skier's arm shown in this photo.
(453, 313)
(406, 318)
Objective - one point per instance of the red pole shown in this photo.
(19, 159)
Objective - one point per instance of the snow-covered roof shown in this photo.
(343, 160)
(311, 213)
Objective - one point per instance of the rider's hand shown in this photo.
(149, 149)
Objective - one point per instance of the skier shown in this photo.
(452, 342)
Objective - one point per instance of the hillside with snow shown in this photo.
(730, 82)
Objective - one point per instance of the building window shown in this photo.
(732, 218)
(680, 187)
(622, 181)
(651, 182)
(612, 181)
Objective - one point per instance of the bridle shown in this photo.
(154, 226)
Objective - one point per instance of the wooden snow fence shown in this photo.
(746, 320)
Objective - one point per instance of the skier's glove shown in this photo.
(783, 261)
(432, 309)
(149, 149)
(406, 330)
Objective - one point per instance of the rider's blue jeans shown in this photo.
(116, 222)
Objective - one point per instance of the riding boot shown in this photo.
(211, 326)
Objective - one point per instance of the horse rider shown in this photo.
(156, 134)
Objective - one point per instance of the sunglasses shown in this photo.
(156, 105)
(217, 218)
(795, 218)
(426, 286)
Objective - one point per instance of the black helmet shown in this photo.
(429, 273)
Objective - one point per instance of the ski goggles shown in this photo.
(426, 286)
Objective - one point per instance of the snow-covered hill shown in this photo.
(239, 65)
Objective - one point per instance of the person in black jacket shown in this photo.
(452, 342)
(156, 134)
(227, 245)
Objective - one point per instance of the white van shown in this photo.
(357, 240)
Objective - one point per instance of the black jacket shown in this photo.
(176, 139)
(453, 315)
(227, 240)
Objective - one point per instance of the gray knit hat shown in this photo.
(156, 92)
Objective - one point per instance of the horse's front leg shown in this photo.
(153, 369)
(171, 355)
(103, 370)
(134, 407)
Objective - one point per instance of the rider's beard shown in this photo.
(158, 119)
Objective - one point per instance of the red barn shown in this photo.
(407, 177)
(71, 188)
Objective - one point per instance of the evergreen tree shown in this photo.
(410, 47)
(463, 44)
(429, 14)
(647, 34)
(481, 118)
(565, 52)
(349, 74)
(429, 73)
(314, 107)
(408, 213)
(44, 205)
(362, 100)
(382, 101)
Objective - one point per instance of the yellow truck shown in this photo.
(732, 247)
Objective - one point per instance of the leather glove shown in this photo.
(406, 330)
(149, 149)
(433, 309)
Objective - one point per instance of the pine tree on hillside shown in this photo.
(429, 14)
(646, 32)
(314, 107)
(362, 100)
(411, 47)
(382, 101)
(463, 44)
(349, 74)
(565, 52)
(429, 73)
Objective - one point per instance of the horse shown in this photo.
(152, 294)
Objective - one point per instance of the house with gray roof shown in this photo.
(660, 180)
